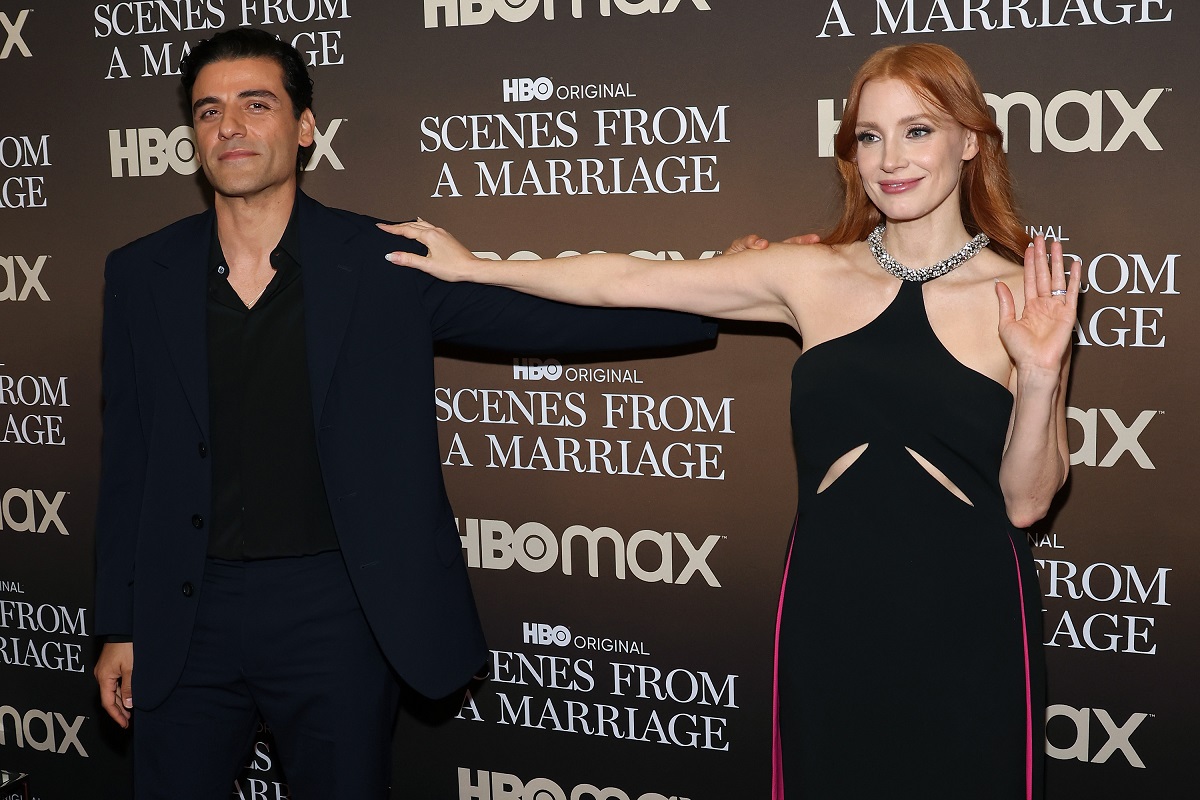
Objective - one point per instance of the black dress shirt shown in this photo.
(268, 496)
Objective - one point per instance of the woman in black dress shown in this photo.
(929, 418)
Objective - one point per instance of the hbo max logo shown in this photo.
(538, 633)
(521, 90)
(149, 152)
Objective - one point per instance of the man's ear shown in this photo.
(308, 124)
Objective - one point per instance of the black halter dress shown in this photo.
(909, 659)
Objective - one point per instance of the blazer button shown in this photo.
(187, 589)
(197, 521)
(203, 450)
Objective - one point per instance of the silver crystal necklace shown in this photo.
(885, 260)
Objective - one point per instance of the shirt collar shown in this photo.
(289, 243)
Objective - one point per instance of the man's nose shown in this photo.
(231, 125)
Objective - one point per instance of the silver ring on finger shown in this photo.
(1058, 292)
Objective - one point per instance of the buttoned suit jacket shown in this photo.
(370, 329)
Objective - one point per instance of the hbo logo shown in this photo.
(537, 633)
(535, 369)
(521, 90)
(143, 152)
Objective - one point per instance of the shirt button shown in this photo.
(203, 449)
(197, 521)
(186, 589)
(221, 270)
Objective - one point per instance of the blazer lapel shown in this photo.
(330, 282)
(179, 296)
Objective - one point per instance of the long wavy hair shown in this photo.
(942, 80)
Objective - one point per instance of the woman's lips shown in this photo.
(898, 186)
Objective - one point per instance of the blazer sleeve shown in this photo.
(123, 463)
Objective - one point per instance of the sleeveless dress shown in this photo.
(908, 646)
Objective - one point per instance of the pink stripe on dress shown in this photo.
(776, 744)
(1028, 690)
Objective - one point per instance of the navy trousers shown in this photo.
(284, 639)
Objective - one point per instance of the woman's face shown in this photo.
(909, 156)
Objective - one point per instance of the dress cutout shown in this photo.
(908, 651)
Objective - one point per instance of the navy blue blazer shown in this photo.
(370, 329)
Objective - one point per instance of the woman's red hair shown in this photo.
(940, 78)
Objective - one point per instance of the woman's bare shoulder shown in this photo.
(837, 288)
(790, 267)
(816, 261)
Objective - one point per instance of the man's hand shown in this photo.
(114, 673)
(755, 242)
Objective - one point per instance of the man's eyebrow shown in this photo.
(264, 93)
(267, 93)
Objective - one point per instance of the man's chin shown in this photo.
(233, 190)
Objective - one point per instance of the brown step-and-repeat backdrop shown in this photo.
(624, 520)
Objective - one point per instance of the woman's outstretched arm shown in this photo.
(747, 285)
(1036, 456)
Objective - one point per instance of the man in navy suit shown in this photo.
(273, 534)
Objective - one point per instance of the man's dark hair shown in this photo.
(250, 43)
(239, 43)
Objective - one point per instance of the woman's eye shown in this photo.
(867, 136)
(919, 131)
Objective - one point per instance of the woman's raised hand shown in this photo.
(1041, 337)
(447, 258)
